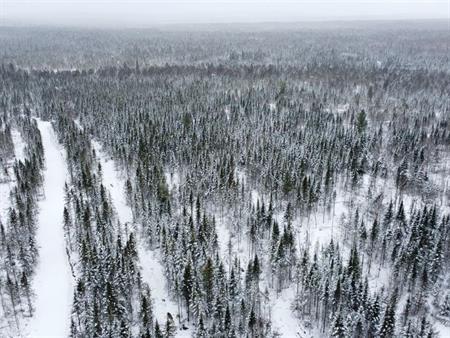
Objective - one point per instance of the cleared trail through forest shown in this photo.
(53, 283)
(152, 269)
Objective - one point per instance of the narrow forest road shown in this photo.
(53, 283)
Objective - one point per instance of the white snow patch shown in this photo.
(223, 238)
(78, 124)
(241, 176)
(342, 108)
(227, 112)
(173, 179)
(5, 188)
(442, 330)
(153, 275)
(283, 319)
(19, 145)
(256, 197)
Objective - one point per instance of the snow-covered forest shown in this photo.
(290, 181)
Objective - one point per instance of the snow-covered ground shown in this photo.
(284, 321)
(53, 283)
(442, 330)
(115, 184)
(172, 179)
(7, 183)
(19, 145)
(318, 231)
(152, 269)
(283, 318)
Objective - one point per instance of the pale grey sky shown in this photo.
(147, 13)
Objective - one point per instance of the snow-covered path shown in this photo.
(152, 270)
(115, 185)
(53, 283)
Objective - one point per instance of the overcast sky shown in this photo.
(147, 13)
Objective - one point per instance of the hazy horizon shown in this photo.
(142, 14)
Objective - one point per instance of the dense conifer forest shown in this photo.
(281, 182)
